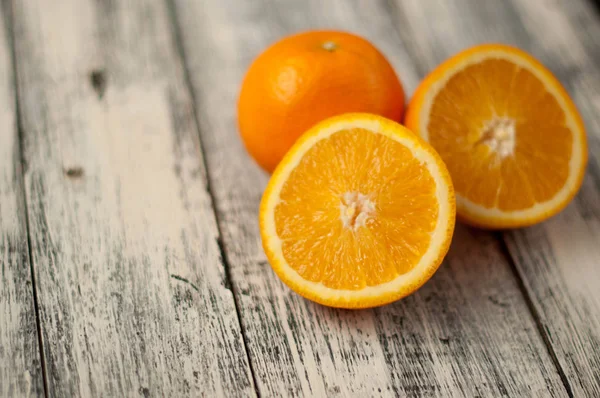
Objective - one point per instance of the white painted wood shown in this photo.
(20, 370)
(468, 332)
(133, 297)
(558, 259)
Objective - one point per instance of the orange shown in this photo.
(359, 213)
(510, 135)
(308, 77)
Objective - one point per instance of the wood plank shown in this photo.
(557, 259)
(133, 297)
(20, 368)
(468, 332)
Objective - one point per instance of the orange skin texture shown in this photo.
(298, 82)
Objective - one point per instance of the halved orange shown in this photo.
(512, 139)
(359, 213)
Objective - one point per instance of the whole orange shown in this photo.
(306, 78)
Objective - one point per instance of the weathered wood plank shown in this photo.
(20, 369)
(468, 332)
(557, 260)
(133, 298)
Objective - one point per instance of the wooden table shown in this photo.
(130, 260)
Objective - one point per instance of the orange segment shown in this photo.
(359, 213)
(511, 137)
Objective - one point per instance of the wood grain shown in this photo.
(558, 259)
(20, 369)
(133, 297)
(468, 332)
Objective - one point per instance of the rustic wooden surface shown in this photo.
(141, 208)
(131, 289)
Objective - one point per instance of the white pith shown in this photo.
(577, 153)
(500, 136)
(417, 274)
(355, 209)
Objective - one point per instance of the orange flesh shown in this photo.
(488, 169)
(357, 211)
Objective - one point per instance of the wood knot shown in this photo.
(98, 81)
(74, 172)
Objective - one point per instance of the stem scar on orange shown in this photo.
(308, 77)
(359, 213)
(512, 139)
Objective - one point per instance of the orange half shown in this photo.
(512, 139)
(359, 213)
